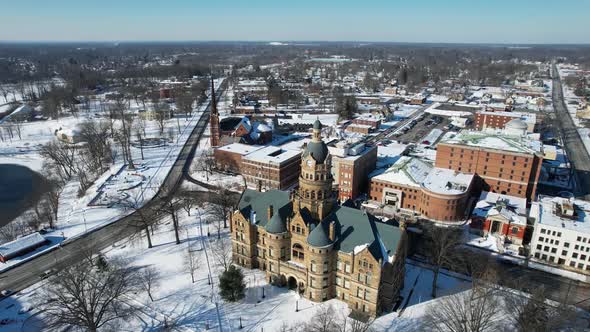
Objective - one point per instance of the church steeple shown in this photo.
(315, 181)
(214, 118)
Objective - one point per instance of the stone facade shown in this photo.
(306, 242)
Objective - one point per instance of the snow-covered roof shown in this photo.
(494, 141)
(272, 155)
(246, 123)
(511, 207)
(415, 172)
(17, 246)
(551, 211)
(240, 148)
(70, 132)
(447, 182)
(407, 171)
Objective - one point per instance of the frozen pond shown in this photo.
(19, 188)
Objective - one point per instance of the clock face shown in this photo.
(309, 163)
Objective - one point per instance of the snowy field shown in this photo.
(192, 306)
(25, 151)
(76, 215)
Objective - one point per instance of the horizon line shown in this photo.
(285, 42)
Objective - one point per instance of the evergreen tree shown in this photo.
(231, 284)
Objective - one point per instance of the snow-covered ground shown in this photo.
(25, 151)
(77, 215)
(193, 305)
(571, 102)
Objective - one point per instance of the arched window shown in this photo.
(312, 194)
(297, 252)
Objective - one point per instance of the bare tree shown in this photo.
(90, 295)
(170, 206)
(4, 91)
(62, 156)
(221, 250)
(187, 202)
(14, 229)
(162, 113)
(184, 102)
(123, 135)
(324, 320)
(361, 323)
(146, 216)
(534, 313)
(441, 245)
(474, 310)
(139, 129)
(204, 163)
(149, 279)
(223, 203)
(192, 262)
(98, 147)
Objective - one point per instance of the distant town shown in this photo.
(278, 186)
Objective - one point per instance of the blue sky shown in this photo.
(452, 21)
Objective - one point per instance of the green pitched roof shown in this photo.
(258, 202)
(356, 228)
(317, 124)
(318, 237)
(277, 224)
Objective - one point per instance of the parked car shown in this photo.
(5, 293)
(46, 274)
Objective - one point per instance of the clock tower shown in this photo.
(315, 181)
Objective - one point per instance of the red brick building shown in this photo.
(263, 168)
(500, 215)
(505, 164)
(359, 128)
(415, 185)
(374, 122)
(498, 120)
(351, 166)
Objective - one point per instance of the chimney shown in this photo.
(270, 212)
(332, 234)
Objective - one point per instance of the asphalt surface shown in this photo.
(572, 141)
(27, 273)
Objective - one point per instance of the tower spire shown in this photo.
(213, 98)
(214, 118)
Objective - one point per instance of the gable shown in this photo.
(256, 203)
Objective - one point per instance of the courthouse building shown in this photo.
(305, 241)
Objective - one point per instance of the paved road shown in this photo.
(27, 273)
(574, 146)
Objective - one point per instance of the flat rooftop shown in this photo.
(526, 117)
(548, 213)
(239, 148)
(447, 182)
(415, 172)
(491, 141)
(272, 155)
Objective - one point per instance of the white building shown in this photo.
(562, 232)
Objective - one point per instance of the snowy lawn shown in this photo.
(76, 215)
(192, 306)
